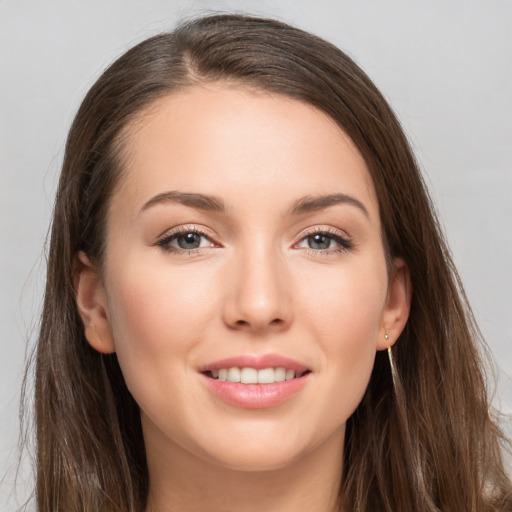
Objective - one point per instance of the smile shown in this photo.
(248, 375)
(255, 382)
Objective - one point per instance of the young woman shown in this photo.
(249, 303)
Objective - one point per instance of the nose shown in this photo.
(259, 297)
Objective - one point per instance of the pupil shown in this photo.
(319, 242)
(189, 241)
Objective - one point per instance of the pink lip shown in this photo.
(255, 396)
(258, 362)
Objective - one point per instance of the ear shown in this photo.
(92, 304)
(398, 304)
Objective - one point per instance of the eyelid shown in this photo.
(341, 237)
(163, 240)
(321, 228)
(186, 228)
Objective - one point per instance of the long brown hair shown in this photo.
(426, 444)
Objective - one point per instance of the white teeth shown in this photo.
(249, 375)
(279, 374)
(234, 375)
(290, 374)
(266, 376)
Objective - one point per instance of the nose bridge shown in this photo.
(259, 298)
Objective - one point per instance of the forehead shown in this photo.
(220, 140)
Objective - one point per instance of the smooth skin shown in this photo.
(258, 266)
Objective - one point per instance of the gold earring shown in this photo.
(391, 360)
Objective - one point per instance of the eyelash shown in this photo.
(165, 241)
(343, 242)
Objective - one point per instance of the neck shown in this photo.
(183, 482)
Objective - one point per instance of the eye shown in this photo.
(320, 241)
(188, 241)
(185, 240)
(324, 242)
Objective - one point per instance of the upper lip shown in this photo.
(259, 362)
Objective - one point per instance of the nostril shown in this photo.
(241, 323)
(276, 322)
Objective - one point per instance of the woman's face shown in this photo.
(243, 242)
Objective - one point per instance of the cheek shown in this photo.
(156, 318)
(156, 301)
(344, 310)
(346, 302)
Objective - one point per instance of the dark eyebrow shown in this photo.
(314, 203)
(201, 201)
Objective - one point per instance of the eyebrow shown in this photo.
(309, 204)
(306, 204)
(200, 201)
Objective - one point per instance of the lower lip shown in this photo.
(255, 396)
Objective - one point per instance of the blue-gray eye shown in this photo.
(319, 241)
(188, 241)
(185, 241)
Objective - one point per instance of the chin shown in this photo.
(256, 458)
(270, 450)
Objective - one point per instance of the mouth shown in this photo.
(250, 375)
(255, 381)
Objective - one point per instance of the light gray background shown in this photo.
(445, 66)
